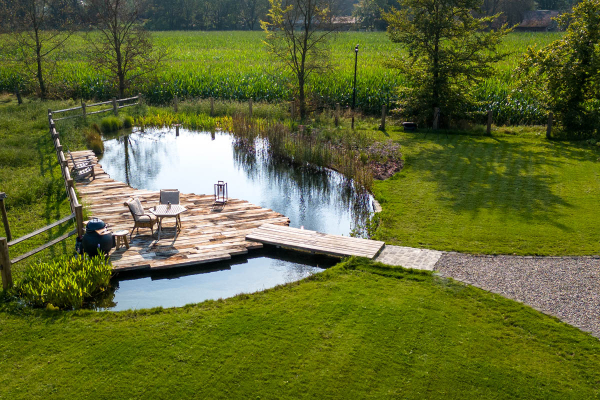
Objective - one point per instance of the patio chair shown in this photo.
(81, 169)
(141, 219)
(170, 196)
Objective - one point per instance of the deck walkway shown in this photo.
(207, 235)
(315, 242)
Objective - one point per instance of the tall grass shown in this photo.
(350, 153)
(235, 66)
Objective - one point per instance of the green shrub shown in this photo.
(110, 124)
(127, 122)
(65, 282)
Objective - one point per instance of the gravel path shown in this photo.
(566, 287)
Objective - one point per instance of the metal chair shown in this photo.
(170, 196)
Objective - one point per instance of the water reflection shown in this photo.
(261, 270)
(317, 199)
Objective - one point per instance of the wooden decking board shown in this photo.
(207, 235)
(339, 246)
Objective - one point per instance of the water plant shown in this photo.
(111, 124)
(354, 154)
(94, 140)
(65, 282)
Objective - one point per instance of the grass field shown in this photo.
(504, 194)
(235, 65)
(356, 331)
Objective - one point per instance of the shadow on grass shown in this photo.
(513, 177)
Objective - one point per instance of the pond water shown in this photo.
(320, 200)
(317, 199)
(259, 270)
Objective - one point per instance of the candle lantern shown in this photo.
(221, 193)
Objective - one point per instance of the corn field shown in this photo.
(236, 66)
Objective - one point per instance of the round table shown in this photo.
(163, 210)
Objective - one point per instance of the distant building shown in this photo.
(538, 21)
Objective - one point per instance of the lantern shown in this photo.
(221, 193)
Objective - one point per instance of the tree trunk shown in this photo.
(120, 72)
(301, 96)
(38, 56)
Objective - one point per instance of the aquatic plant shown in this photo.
(353, 154)
(66, 282)
(111, 124)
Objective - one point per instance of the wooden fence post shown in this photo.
(115, 108)
(18, 93)
(549, 128)
(212, 106)
(436, 118)
(140, 99)
(83, 108)
(337, 114)
(175, 103)
(489, 122)
(5, 217)
(79, 219)
(5, 266)
(382, 127)
(250, 106)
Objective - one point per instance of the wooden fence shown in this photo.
(76, 209)
(115, 106)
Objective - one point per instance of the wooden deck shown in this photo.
(315, 242)
(207, 235)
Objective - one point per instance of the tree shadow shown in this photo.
(512, 177)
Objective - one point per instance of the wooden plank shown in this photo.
(312, 241)
(206, 235)
(41, 230)
(43, 247)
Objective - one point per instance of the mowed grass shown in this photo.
(503, 194)
(356, 331)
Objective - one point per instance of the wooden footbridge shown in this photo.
(208, 234)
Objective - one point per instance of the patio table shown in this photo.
(164, 210)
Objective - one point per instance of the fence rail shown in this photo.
(84, 107)
(76, 208)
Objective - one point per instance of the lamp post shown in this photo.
(354, 92)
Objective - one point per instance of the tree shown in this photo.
(297, 33)
(565, 75)
(251, 12)
(513, 11)
(121, 47)
(35, 34)
(369, 13)
(448, 50)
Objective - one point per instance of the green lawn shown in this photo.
(503, 194)
(355, 331)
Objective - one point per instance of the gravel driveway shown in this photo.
(566, 287)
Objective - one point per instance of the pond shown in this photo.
(314, 198)
(259, 270)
